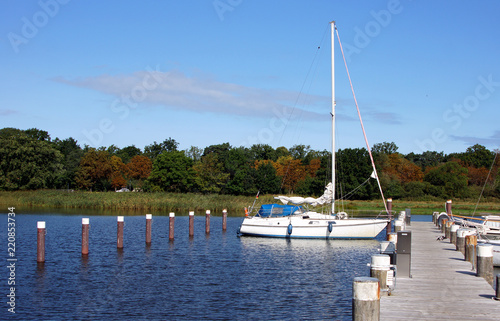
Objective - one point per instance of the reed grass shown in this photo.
(181, 204)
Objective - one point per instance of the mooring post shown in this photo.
(171, 222)
(447, 229)
(448, 207)
(224, 219)
(443, 225)
(389, 213)
(485, 262)
(497, 297)
(470, 248)
(119, 233)
(461, 234)
(149, 221)
(380, 268)
(398, 226)
(191, 224)
(207, 222)
(365, 299)
(453, 233)
(85, 236)
(40, 241)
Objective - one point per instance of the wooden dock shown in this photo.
(443, 285)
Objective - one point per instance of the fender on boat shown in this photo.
(289, 230)
(330, 226)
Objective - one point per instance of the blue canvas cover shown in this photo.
(277, 210)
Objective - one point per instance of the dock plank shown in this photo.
(443, 286)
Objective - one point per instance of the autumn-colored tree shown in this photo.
(138, 169)
(291, 171)
(95, 170)
(118, 169)
(403, 169)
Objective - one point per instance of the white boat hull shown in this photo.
(496, 250)
(310, 227)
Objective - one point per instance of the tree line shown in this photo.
(30, 159)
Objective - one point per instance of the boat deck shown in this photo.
(443, 285)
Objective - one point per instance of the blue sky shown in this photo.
(426, 73)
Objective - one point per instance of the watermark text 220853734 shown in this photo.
(11, 260)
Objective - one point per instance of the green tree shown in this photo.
(451, 177)
(27, 163)
(172, 172)
(154, 150)
(127, 153)
(385, 148)
(353, 171)
(72, 155)
(210, 177)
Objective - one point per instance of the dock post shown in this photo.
(448, 207)
(443, 225)
(380, 268)
(207, 222)
(398, 226)
(171, 222)
(224, 219)
(461, 234)
(470, 248)
(85, 236)
(149, 221)
(389, 212)
(119, 233)
(497, 296)
(191, 223)
(40, 241)
(447, 229)
(365, 299)
(485, 262)
(453, 233)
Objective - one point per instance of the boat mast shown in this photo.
(333, 115)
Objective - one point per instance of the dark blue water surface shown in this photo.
(215, 277)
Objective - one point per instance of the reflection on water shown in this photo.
(216, 277)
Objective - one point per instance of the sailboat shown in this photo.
(291, 220)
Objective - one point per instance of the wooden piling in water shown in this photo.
(224, 219)
(85, 236)
(40, 242)
(171, 222)
(485, 262)
(191, 224)
(207, 222)
(389, 224)
(119, 232)
(149, 221)
(365, 299)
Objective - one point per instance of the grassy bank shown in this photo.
(163, 203)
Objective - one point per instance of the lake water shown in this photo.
(215, 277)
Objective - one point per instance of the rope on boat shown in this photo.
(361, 121)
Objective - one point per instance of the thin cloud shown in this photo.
(7, 112)
(493, 141)
(174, 89)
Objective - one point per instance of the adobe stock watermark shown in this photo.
(364, 36)
(123, 105)
(31, 26)
(455, 115)
(223, 6)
